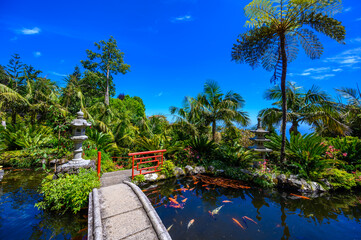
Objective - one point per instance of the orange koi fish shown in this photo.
(227, 201)
(205, 185)
(184, 200)
(195, 182)
(173, 201)
(190, 223)
(207, 188)
(250, 219)
(182, 196)
(191, 189)
(238, 223)
(187, 186)
(300, 196)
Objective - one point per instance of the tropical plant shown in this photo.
(68, 192)
(304, 153)
(277, 26)
(167, 169)
(352, 109)
(311, 107)
(219, 108)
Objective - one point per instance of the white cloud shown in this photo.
(347, 9)
(347, 58)
(28, 31)
(37, 54)
(316, 70)
(185, 18)
(159, 94)
(337, 70)
(59, 74)
(355, 40)
(321, 77)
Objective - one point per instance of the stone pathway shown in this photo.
(124, 211)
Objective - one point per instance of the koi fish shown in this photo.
(216, 211)
(300, 196)
(190, 223)
(184, 200)
(250, 219)
(205, 185)
(238, 223)
(170, 227)
(245, 223)
(207, 188)
(187, 186)
(182, 196)
(191, 189)
(195, 182)
(227, 201)
(173, 201)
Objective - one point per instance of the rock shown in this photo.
(327, 183)
(151, 177)
(245, 171)
(188, 170)
(293, 177)
(178, 172)
(211, 169)
(74, 167)
(300, 185)
(162, 177)
(220, 171)
(316, 187)
(281, 179)
(199, 169)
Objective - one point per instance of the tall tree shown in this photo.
(107, 62)
(14, 70)
(276, 29)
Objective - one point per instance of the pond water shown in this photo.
(252, 213)
(19, 219)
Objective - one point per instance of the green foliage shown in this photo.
(68, 192)
(237, 155)
(167, 168)
(340, 178)
(304, 153)
(139, 179)
(107, 164)
(350, 151)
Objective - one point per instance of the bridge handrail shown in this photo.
(147, 152)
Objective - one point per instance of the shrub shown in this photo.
(350, 147)
(68, 192)
(139, 179)
(340, 178)
(167, 169)
(107, 164)
(304, 153)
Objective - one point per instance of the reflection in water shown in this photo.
(278, 215)
(19, 219)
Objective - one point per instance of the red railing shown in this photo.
(137, 161)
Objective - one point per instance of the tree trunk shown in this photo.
(284, 98)
(294, 128)
(106, 100)
(214, 128)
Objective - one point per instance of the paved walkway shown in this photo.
(124, 211)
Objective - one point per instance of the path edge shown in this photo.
(157, 223)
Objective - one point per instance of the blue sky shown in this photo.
(173, 46)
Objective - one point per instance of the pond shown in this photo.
(191, 209)
(19, 219)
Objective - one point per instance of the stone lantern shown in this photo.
(79, 124)
(260, 139)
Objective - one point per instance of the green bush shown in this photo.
(167, 169)
(107, 164)
(350, 151)
(68, 192)
(139, 179)
(340, 178)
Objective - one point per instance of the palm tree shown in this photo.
(311, 107)
(277, 26)
(353, 108)
(220, 108)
